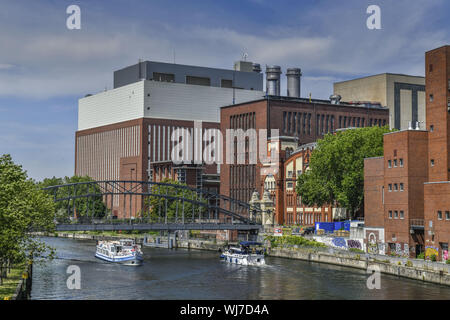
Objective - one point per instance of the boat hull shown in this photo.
(246, 260)
(132, 260)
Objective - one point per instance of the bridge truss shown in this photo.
(144, 205)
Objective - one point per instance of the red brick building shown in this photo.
(138, 150)
(299, 121)
(407, 192)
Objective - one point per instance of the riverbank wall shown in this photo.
(23, 290)
(432, 272)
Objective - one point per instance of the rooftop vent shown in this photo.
(335, 99)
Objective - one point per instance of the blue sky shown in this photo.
(45, 68)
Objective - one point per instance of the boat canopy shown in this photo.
(250, 243)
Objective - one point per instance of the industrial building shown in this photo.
(407, 191)
(299, 121)
(125, 133)
(403, 95)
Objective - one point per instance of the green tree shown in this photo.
(155, 205)
(336, 169)
(83, 206)
(24, 207)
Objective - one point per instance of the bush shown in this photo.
(433, 257)
(356, 250)
(276, 241)
(447, 261)
(408, 263)
(421, 256)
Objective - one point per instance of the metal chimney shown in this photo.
(273, 80)
(293, 82)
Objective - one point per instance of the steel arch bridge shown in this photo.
(145, 205)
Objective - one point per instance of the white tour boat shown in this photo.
(245, 254)
(124, 251)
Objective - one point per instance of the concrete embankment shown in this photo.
(431, 272)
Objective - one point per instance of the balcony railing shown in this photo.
(417, 224)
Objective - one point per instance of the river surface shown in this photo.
(192, 274)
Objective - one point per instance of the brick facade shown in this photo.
(415, 190)
(305, 121)
(137, 150)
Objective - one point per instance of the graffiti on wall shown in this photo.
(405, 250)
(375, 245)
(430, 250)
(354, 244)
(398, 249)
(339, 242)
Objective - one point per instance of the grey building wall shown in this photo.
(144, 70)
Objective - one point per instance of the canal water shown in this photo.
(192, 274)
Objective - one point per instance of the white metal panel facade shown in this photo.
(191, 102)
(112, 106)
(163, 100)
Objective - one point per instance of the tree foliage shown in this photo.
(336, 168)
(92, 206)
(155, 205)
(24, 207)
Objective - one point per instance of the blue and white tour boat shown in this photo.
(124, 251)
(246, 254)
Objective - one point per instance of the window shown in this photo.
(431, 97)
(289, 185)
(395, 214)
(389, 163)
(431, 128)
(395, 163)
(225, 83)
(390, 214)
(440, 215)
(401, 187)
(430, 67)
(201, 81)
(402, 214)
(395, 187)
(299, 172)
(390, 187)
(432, 162)
(447, 215)
(401, 162)
(163, 77)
